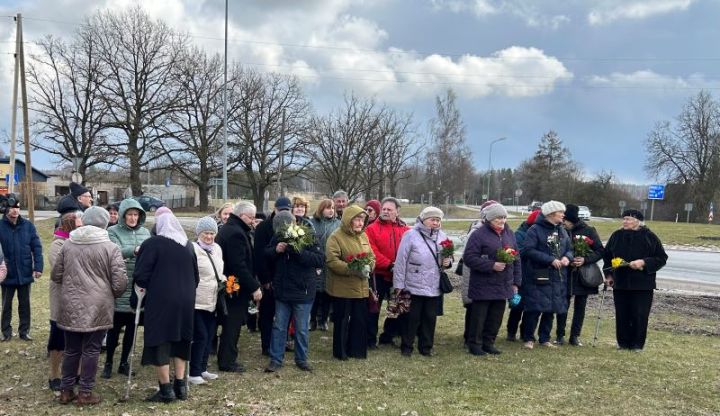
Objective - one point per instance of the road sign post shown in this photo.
(688, 209)
(655, 192)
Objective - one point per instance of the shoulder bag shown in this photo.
(221, 303)
(445, 283)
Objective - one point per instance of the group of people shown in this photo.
(357, 260)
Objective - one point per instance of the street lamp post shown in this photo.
(490, 164)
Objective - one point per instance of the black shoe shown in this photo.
(560, 341)
(124, 368)
(574, 341)
(474, 350)
(313, 325)
(5, 338)
(383, 340)
(26, 337)
(180, 389)
(54, 384)
(406, 352)
(372, 346)
(164, 395)
(273, 367)
(236, 368)
(107, 370)
(490, 349)
(304, 366)
(427, 353)
(511, 338)
(323, 326)
(266, 353)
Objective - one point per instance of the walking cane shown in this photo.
(597, 323)
(140, 292)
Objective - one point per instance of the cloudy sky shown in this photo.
(600, 73)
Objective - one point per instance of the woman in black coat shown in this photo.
(167, 269)
(633, 283)
(575, 289)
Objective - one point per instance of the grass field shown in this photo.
(676, 374)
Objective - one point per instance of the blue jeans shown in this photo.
(283, 312)
(204, 326)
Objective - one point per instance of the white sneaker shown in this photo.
(209, 376)
(196, 380)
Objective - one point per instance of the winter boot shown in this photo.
(180, 389)
(164, 395)
(67, 396)
(87, 398)
(107, 370)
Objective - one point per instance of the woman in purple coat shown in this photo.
(492, 280)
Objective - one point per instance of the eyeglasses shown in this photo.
(368, 209)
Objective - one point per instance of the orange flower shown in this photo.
(230, 285)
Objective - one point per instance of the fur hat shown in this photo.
(206, 224)
(552, 206)
(571, 213)
(431, 212)
(281, 219)
(97, 216)
(532, 217)
(493, 211)
(76, 189)
(283, 203)
(633, 213)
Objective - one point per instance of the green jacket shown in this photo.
(343, 242)
(127, 239)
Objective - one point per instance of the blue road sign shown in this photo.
(656, 192)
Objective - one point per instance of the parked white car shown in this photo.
(584, 213)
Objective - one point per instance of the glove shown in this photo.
(515, 300)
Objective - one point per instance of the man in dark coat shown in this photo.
(24, 260)
(265, 271)
(235, 240)
(79, 199)
(578, 228)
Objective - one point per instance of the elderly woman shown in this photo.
(293, 281)
(91, 272)
(128, 234)
(417, 270)
(210, 268)
(167, 269)
(372, 207)
(349, 287)
(633, 281)
(324, 223)
(56, 339)
(493, 279)
(546, 253)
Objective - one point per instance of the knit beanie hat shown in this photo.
(281, 220)
(206, 224)
(431, 212)
(552, 206)
(97, 216)
(571, 213)
(374, 204)
(76, 189)
(532, 217)
(634, 213)
(493, 211)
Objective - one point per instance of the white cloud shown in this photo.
(614, 10)
(649, 80)
(526, 10)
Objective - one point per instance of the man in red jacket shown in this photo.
(384, 236)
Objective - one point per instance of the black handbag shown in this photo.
(221, 303)
(590, 275)
(541, 277)
(445, 283)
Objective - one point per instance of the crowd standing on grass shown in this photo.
(342, 264)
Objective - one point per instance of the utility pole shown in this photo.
(13, 131)
(29, 191)
(282, 156)
(225, 113)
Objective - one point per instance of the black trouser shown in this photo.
(321, 308)
(232, 323)
(266, 316)
(23, 295)
(120, 320)
(485, 321)
(632, 311)
(420, 322)
(82, 352)
(203, 331)
(349, 328)
(514, 320)
(530, 323)
(578, 317)
(391, 326)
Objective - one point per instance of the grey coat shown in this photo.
(416, 269)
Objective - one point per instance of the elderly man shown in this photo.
(340, 199)
(384, 236)
(235, 240)
(23, 257)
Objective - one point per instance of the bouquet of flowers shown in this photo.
(618, 262)
(359, 262)
(582, 245)
(297, 236)
(506, 254)
(447, 248)
(553, 241)
(232, 287)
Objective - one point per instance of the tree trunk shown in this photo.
(133, 156)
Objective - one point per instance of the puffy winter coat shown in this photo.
(323, 228)
(59, 239)
(343, 242)
(207, 290)
(632, 245)
(384, 237)
(537, 256)
(480, 256)
(23, 251)
(91, 272)
(574, 285)
(416, 266)
(295, 273)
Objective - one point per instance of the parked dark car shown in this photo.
(149, 203)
